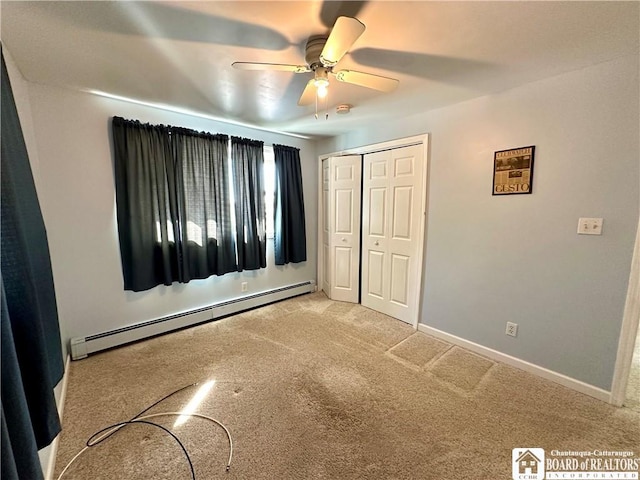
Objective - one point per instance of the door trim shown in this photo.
(422, 139)
(628, 331)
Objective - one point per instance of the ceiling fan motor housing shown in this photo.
(315, 44)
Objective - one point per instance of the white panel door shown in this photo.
(392, 210)
(343, 198)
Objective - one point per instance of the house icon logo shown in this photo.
(527, 463)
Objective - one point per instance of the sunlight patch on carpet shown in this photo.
(461, 368)
(419, 349)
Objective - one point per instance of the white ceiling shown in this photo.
(180, 53)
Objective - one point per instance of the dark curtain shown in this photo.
(19, 447)
(31, 349)
(207, 241)
(247, 157)
(146, 204)
(173, 203)
(290, 241)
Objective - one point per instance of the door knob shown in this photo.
(344, 239)
(376, 243)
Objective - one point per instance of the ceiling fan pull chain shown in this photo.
(326, 107)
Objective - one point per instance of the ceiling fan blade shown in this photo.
(369, 80)
(270, 66)
(308, 95)
(344, 34)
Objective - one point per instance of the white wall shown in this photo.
(20, 90)
(518, 258)
(73, 136)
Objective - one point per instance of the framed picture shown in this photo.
(513, 171)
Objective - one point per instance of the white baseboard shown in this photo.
(53, 447)
(556, 377)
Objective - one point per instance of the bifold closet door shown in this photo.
(393, 191)
(341, 195)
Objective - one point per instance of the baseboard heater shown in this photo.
(81, 347)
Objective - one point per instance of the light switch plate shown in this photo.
(590, 226)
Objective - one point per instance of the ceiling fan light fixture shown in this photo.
(321, 77)
(322, 90)
(321, 81)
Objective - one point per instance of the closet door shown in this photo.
(341, 195)
(393, 199)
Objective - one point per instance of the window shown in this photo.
(269, 188)
(194, 232)
(194, 204)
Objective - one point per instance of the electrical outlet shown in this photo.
(512, 329)
(590, 226)
(244, 286)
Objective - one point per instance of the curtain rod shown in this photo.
(191, 113)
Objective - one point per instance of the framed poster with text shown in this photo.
(513, 171)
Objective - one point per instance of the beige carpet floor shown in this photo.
(315, 389)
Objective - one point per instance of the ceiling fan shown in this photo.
(322, 53)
